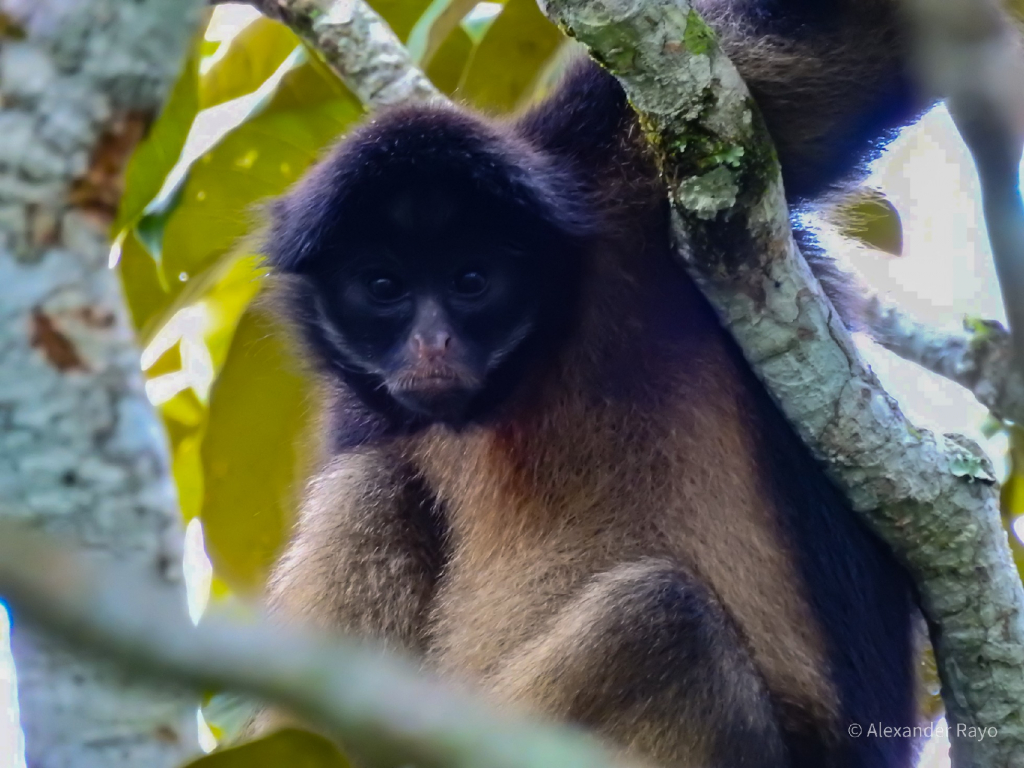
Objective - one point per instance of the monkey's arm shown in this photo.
(646, 656)
(365, 554)
(831, 78)
(363, 559)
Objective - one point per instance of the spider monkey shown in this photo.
(552, 474)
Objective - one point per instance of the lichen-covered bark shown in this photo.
(932, 497)
(359, 45)
(81, 450)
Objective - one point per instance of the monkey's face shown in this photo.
(432, 302)
(432, 330)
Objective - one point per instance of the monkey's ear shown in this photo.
(294, 233)
(582, 118)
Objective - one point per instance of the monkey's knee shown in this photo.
(648, 657)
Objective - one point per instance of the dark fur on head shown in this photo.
(567, 171)
(498, 181)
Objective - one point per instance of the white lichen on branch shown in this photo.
(358, 44)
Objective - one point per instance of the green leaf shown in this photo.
(448, 65)
(185, 415)
(168, 362)
(290, 748)
(226, 302)
(142, 278)
(1011, 495)
(254, 453)
(440, 19)
(184, 418)
(476, 25)
(401, 15)
(514, 51)
(151, 227)
(158, 153)
(219, 196)
(868, 216)
(253, 55)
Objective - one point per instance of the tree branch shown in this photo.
(979, 358)
(932, 498)
(358, 45)
(383, 708)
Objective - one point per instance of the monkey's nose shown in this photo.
(431, 346)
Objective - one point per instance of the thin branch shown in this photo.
(383, 708)
(977, 358)
(932, 498)
(359, 45)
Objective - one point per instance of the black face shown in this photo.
(433, 300)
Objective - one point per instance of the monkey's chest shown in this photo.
(491, 600)
(529, 529)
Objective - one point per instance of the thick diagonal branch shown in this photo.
(932, 498)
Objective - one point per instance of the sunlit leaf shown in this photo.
(506, 63)
(157, 154)
(448, 65)
(253, 55)
(220, 197)
(401, 15)
(142, 278)
(184, 418)
(226, 302)
(477, 24)
(868, 216)
(168, 362)
(254, 454)
(1012, 495)
(438, 21)
(291, 747)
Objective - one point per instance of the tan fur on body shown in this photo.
(584, 478)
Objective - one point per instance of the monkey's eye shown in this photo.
(470, 283)
(385, 288)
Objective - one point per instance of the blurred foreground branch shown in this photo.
(382, 708)
(969, 55)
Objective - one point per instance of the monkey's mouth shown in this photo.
(440, 395)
